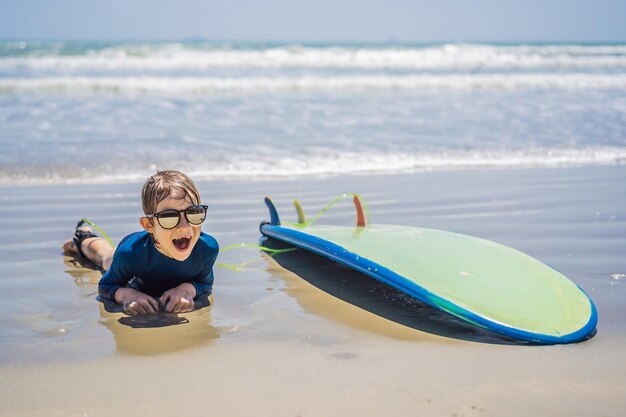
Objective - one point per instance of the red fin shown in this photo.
(360, 216)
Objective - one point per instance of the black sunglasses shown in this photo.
(169, 219)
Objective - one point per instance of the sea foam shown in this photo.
(201, 57)
(274, 164)
(183, 84)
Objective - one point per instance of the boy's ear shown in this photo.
(146, 224)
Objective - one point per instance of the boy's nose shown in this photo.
(183, 222)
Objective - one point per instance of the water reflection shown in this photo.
(159, 333)
(144, 335)
(376, 297)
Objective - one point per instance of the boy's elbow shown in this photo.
(202, 289)
(107, 292)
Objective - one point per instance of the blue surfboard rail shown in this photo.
(370, 268)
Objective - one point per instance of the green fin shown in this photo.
(300, 211)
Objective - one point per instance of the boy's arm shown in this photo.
(112, 286)
(203, 284)
(111, 281)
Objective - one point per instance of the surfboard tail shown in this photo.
(274, 219)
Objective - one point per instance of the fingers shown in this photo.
(164, 298)
(180, 305)
(154, 304)
(132, 308)
(184, 305)
(174, 305)
(141, 309)
(171, 303)
(141, 306)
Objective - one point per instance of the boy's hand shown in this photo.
(136, 303)
(179, 299)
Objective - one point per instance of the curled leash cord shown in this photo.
(234, 267)
(242, 265)
(332, 203)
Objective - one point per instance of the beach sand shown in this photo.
(281, 339)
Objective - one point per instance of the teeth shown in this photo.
(182, 243)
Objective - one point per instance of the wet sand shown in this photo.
(296, 335)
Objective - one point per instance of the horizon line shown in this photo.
(390, 41)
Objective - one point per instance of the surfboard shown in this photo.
(479, 281)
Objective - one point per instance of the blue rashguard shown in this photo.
(138, 264)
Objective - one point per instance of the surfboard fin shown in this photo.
(274, 220)
(360, 216)
(300, 211)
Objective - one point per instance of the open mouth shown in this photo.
(182, 243)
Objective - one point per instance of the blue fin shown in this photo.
(274, 220)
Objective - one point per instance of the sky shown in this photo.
(316, 20)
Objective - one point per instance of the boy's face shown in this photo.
(176, 243)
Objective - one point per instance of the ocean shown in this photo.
(520, 144)
(114, 112)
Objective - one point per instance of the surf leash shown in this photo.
(325, 209)
(104, 235)
(235, 267)
(240, 267)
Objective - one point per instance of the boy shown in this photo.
(165, 266)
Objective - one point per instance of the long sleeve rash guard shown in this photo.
(138, 264)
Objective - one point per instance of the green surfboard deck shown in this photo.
(475, 279)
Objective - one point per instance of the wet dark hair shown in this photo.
(165, 184)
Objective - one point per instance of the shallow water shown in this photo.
(301, 328)
(572, 219)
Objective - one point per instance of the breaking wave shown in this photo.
(320, 163)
